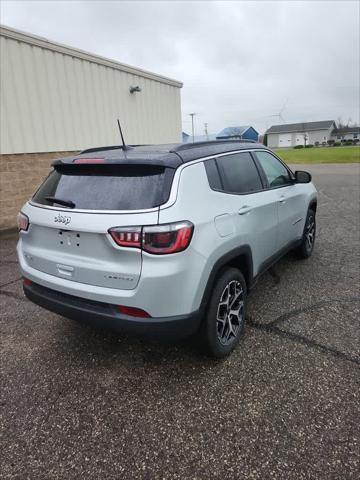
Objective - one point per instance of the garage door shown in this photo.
(285, 140)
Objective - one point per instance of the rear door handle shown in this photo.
(282, 199)
(244, 209)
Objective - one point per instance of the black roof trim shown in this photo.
(166, 155)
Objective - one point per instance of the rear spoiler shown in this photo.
(79, 162)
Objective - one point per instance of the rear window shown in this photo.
(107, 187)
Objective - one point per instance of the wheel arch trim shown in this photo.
(313, 204)
(226, 259)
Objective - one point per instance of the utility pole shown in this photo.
(206, 131)
(192, 125)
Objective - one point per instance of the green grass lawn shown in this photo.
(320, 155)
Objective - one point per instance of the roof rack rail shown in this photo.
(188, 146)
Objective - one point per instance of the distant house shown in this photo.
(198, 138)
(293, 134)
(238, 133)
(345, 133)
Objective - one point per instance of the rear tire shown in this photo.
(224, 322)
(305, 249)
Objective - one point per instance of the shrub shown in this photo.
(330, 142)
(323, 144)
(348, 142)
(337, 144)
(317, 144)
(309, 146)
(299, 146)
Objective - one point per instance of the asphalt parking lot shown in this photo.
(79, 403)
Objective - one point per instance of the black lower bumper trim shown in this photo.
(105, 315)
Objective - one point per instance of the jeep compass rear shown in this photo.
(161, 240)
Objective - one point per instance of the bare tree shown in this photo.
(349, 123)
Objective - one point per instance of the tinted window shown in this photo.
(275, 171)
(213, 175)
(107, 187)
(239, 173)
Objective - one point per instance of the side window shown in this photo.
(275, 171)
(213, 175)
(239, 173)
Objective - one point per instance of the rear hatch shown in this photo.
(71, 213)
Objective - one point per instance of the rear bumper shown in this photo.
(105, 315)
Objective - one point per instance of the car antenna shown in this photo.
(124, 147)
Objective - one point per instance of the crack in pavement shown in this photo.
(312, 306)
(271, 327)
(10, 283)
(12, 295)
(301, 339)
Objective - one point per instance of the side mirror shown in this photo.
(302, 177)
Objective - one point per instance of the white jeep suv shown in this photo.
(163, 240)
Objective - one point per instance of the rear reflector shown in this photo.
(156, 239)
(23, 222)
(89, 160)
(27, 281)
(133, 311)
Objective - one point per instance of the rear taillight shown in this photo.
(171, 238)
(127, 236)
(156, 239)
(23, 222)
(27, 281)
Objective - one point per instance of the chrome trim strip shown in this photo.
(174, 187)
(75, 210)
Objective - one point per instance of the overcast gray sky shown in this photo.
(239, 61)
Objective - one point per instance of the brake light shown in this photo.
(133, 311)
(171, 238)
(127, 236)
(156, 239)
(23, 222)
(89, 160)
(27, 281)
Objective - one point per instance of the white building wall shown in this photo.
(318, 136)
(291, 139)
(55, 98)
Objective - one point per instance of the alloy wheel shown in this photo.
(310, 233)
(229, 318)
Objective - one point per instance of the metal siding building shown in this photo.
(56, 98)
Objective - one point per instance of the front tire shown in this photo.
(224, 322)
(306, 247)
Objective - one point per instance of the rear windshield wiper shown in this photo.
(60, 201)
